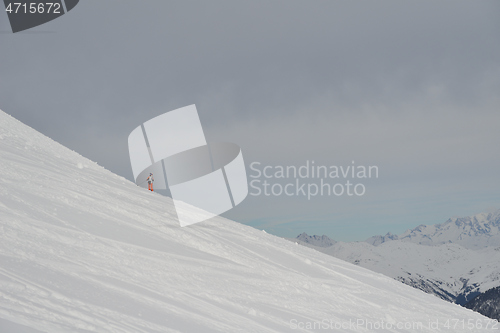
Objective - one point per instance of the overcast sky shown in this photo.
(412, 87)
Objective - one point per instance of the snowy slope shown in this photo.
(84, 250)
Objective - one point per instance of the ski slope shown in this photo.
(84, 250)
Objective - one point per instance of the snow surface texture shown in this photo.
(84, 250)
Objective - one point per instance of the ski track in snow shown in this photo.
(84, 250)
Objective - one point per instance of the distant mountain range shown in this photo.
(456, 260)
(472, 232)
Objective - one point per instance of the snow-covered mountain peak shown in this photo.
(474, 232)
(322, 241)
(377, 240)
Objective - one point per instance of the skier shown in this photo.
(150, 182)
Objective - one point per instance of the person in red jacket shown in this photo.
(150, 182)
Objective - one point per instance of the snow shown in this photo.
(448, 266)
(321, 241)
(472, 232)
(85, 250)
